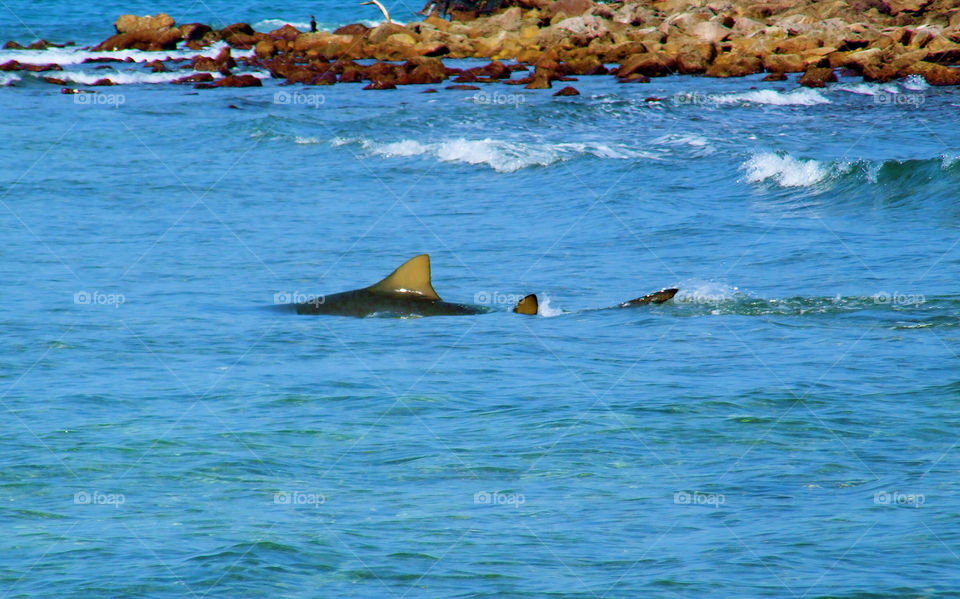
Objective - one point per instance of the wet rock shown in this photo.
(381, 84)
(817, 77)
(462, 87)
(142, 39)
(195, 32)
(157, 66)
(935, 74)
(103, 82)
(239, 35)
(222, 62)
(195, 78)
(775, 77)
(567, 91)
(12, 45)
(239, 81)
(55, 81)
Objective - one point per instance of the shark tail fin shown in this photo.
(528, 305)
(412, 277)
(657, 297)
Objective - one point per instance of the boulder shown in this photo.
(784, 63)
(734, 65)
(650, 65)
(568, 91)
(935, 74)
(239, 81)
(129, 23)
(817, 77)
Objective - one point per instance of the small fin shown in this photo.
(657, 297)
(413, 277)
(528, 305)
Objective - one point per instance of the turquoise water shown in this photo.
(786, 426)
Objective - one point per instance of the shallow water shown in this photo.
(785, 426)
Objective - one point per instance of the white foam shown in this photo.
(500, 155)
(268, 25)
(8, 78)
(698, 291)
(949, 160)
(785, 170)
(870, 89)
(915, 83)
(799, 97)
(124, 77)
(306, 140)
(545, 309)
(67, 56)
(701, 146)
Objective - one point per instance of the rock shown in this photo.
(583, 29)
(568, 91)
(265, 49)
(541, 79)
(239, 81)
(381, 32)
(895, 7)
(429, 90)
(463, 87)
(709, 32)
(241, 28)
(194, 32)
(357, 29)
(129, 23)
(12, 45)
(734, 65)
(157, 66)
(817, 77)
(634, 78)
(142, 39)
(54, 80)
(223, 62)
(381, 85)
(588, 65)
(195, 78)
(571, 8)
(775, 77)
(633, 13)
(784, 63)
(650, 65)
(103, 82)
(286, 33)
(935, 74)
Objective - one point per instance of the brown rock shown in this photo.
(55, 81)
(733, 65)
(775, 77)
(193, 32)
(817, 77)
(195, 78)
(129, 23)
(571, 8)
(935, 74)
(157, 66)
(567, 91)
(784, 63)
(651, 65)
(103, 82)
(239, 81)
(463, 87)
(381, 85)
(352, 29)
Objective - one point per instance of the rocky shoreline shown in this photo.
(556, 40)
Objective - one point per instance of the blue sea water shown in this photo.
(786, 426)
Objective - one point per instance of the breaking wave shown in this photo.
(784, 170)
(500, 155)
(798, 97)
(72, 56)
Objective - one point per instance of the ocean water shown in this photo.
(786, 426)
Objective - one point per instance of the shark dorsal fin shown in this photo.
(527, 305)
(412, 278)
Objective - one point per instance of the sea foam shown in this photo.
(69, 56)
(784, 170)
(500, 155)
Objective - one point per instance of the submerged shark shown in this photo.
(409, 291)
